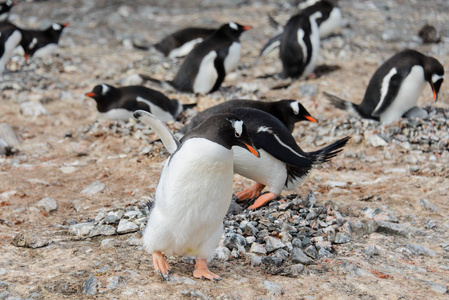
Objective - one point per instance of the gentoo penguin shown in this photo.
(287, 111)
(328, 23)
(396, 86)
(205, 67)
(120, 103)
(10, 38)
(181, 42)
(194, 190)
(299, 46)
(5, 7)
(282, 163)
(42, 42)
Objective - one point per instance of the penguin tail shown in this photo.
(275, 24)
(325, 154)
(166, 84)
(168, 139)
(341, 104)
(187, 106)
(271, 45)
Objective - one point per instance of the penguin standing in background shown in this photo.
(194, 191)
(395, 87)
(300, 43)
(287, 111)
(181, 42)
(282, 163)
(330, 20)
(40, 43)
(5, 8)
(205, 68)
(120, 103)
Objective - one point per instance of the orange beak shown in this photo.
(252, 150)
(247, 27)
(66, 24)
(91, 94)
(26, 57)
(311, 119)
(435, 96)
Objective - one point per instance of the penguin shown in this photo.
(10, 38)
(282, 163)
(194, 190)
(120, 103)
(205, 67)
(395, 87)
(5, 8)
(299, 46)
(181, 42)
(287, 111)
(42, 42)
(328, 23)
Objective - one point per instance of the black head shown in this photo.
(434, 74)
(101, 91)
(233, 30)
(225, 129)
(291, 111)
(5, 7)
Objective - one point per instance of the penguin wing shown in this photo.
(271, 45)
(219, 66)
(392, 91)
(281, 149)
(168, 139)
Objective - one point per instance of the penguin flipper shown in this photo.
(271, 45)
(168, 139)
(393, 89)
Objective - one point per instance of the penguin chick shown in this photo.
(282, 163)
(120, 103)
(396, 87)
(194, 190)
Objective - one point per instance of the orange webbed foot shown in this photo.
(251, 192)
(201, 271)
(161, 265)
(263, 200)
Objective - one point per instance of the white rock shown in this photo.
(48, 204)
(81, 229)
(125, 226)
(33, 109)
(94, 188)
(377, 141)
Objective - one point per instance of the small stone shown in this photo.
(420, 250)
(371, 250)
(342, 238)
(3, 271)
(376, 141)
(94, 188)
(222, 253)
(253, 259)
(272, 261)
(430, 224)
(90, 286)
(425, 203)
(113, 282)
(258, 248)
(234, 241)
(273, 288)
(311, 252)
(110, 219)
(126, 226)
(323, 252)
(396, 229)
(297, 256)
(437, 287)
(134, 79)
(33, 109)
(81, 229)
(333, 183)
(102, 230)
(29, 240)
(48, 204)
(250, 240)
(273, 243)
(109, 243)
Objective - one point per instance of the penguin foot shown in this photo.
(201, 271)
(263, 200)
(161, 265)
(251, 192)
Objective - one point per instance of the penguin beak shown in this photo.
(252, 149)
(311, 119)
(436, 88)
(66, 24)
(91, 94)
(247, 27)
(26, 57)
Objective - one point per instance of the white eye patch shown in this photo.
(104, 89)
(238, 127)
(56, 26)
(33, 43)
(436, 77)
(295, 106)
(233, 25)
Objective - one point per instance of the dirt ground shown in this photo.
(67, 150)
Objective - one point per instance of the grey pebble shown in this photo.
(425, 203)
(125, 226)
(48, 204)
(90, 286)
(421, 250)
(102, 230)
(298, 256)
(273, 288)
(94, 188)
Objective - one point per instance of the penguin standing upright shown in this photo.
(396, 86)
(282, 163)
(5, 8)
(299, 46)
(205, 68)
(287, 111)
(181, 42)
(120, 103)
(194, 191)
(328, 23)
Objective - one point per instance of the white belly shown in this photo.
(266, 169)
(11, 43)
(233, 57)
(207, 74)
(46, 50)
(407, 97)
(116, 114)
(331, 24)
(315, 41)
(161, 114)
(185, 48)
(192, 197)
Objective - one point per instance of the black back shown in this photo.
(180, 37)
(33, 40)
(219, 41)
(323, 6)
(5, 7)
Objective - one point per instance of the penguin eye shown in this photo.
(237, 135)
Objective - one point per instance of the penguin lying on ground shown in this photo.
(5, 8)
(120, 103)
(10, 38)
(395, 87)
(194, 190)
(329, 21)
(181, 42)
(287, 111)
(282, 163)
(205, 68)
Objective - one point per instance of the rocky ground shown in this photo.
(371, 224)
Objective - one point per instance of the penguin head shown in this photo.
(299, 112)
(5, 7)
(233, 29)
(101, 93)
(55, 30)
(291, 111)
(434, 74)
